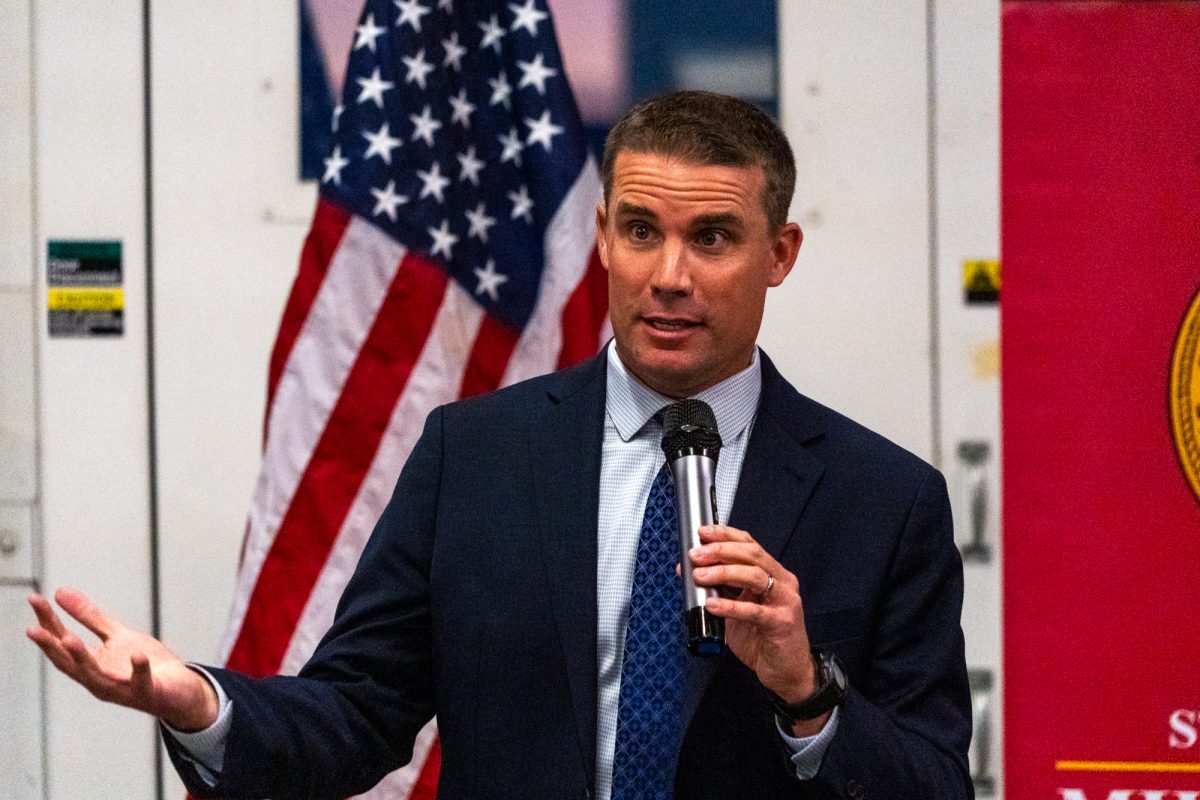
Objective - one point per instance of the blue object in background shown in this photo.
(316, 102)
(716, 45)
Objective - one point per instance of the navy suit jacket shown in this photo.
(475, 599)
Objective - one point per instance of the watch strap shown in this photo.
(831, 689)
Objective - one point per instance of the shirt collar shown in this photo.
(631, 404)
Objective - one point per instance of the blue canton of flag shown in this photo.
(458, 136)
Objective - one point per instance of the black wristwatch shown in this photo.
(831, 688)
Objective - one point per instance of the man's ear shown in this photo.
(783, 252)
(601, 239)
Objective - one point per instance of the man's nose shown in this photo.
(672, 273)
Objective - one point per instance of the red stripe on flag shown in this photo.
(425, 787)
(584, 314)
(338, 465)
(328, 225)
(494, 345)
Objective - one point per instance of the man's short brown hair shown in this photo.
(710, 129)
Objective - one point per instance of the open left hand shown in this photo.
(126, 666)
(763, 627)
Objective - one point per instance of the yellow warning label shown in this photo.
(981, 280)
(85, 298)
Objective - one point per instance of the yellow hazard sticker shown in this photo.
(85, 298)
(981, 280)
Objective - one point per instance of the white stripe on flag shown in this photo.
(434, 380)
(326, 348)
(399, 784)
(570, 237)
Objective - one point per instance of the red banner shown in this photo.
(1101, 399)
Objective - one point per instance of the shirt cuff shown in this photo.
(205, 749)
(809, 751)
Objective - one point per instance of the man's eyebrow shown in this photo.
(725, 219)
(632, 210)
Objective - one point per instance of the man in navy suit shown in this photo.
(494, 591)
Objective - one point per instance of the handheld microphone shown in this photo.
(692, 445)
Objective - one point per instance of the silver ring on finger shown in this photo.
(762, 597)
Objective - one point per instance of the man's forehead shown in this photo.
(642, 181)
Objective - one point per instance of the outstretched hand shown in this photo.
(127, 666)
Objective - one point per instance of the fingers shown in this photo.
(756, 614)
(752, 579)
(63, 648)
(87, 613)
(724, 547)
(46, 616)
(141, 681)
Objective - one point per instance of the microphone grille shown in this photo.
(690, 426)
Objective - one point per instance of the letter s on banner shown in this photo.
(1183, 725)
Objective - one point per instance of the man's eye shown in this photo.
(640, 231)
(711, 238)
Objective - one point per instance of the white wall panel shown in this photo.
(967, 124)
(229, 221)
(20, 703)
(851, 325)
(88, 161)
(16, 173)
(21, 773)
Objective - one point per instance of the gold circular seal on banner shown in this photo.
(1185, 394)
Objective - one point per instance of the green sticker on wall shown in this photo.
(85, 294)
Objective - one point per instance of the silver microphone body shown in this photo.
(696, 503)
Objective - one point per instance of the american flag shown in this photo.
(452, 252)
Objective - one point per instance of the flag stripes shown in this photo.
(451, 252)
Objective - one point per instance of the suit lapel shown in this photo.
(565, 447)
(779, 473)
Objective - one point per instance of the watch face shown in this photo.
(835, 669)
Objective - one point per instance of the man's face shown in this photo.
(689, 256)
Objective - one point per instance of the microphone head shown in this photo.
(690, 428)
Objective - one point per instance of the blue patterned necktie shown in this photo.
(653, 676)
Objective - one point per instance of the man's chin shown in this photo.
(669, 373)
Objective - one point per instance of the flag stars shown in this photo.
(382, 144)
(522, 204)
(512, 147)
(386, 200)
(418, 68)
(541, 130)
(424, 126)
(471, 165)
(479, 222)
(334, 166)
(534, 73)
(337, 117)
(462, 109)
(490, 281)
(433, 183)
(454, 52)
(372, 88)
(411, 12)
(527, 16)
(501, 90)
(446, 5)
(443, 239)
(367, 33)
(492, 34)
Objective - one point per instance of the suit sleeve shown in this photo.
(352, 714)
(903, 733)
